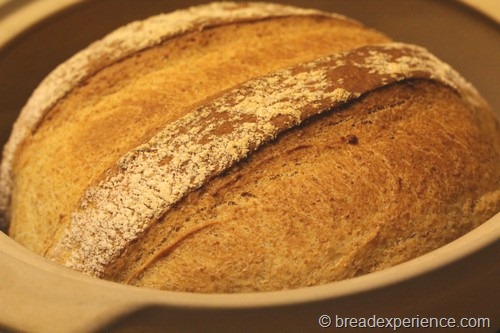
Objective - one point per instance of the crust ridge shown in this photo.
(189, 152)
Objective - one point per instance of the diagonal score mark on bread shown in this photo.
(187, 153)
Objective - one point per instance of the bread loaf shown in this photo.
(237, 147)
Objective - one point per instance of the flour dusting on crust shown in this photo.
(189, 152)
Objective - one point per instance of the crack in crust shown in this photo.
(189, 152)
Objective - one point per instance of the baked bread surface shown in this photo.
(375, 181)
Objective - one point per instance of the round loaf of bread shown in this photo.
(240, 147)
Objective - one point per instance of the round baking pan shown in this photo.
(458, 280)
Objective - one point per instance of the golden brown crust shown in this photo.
(179, 73)
(397, 173)
(208, 140)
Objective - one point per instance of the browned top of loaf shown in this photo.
(96, 124)
(190, 151)
(296, 213)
